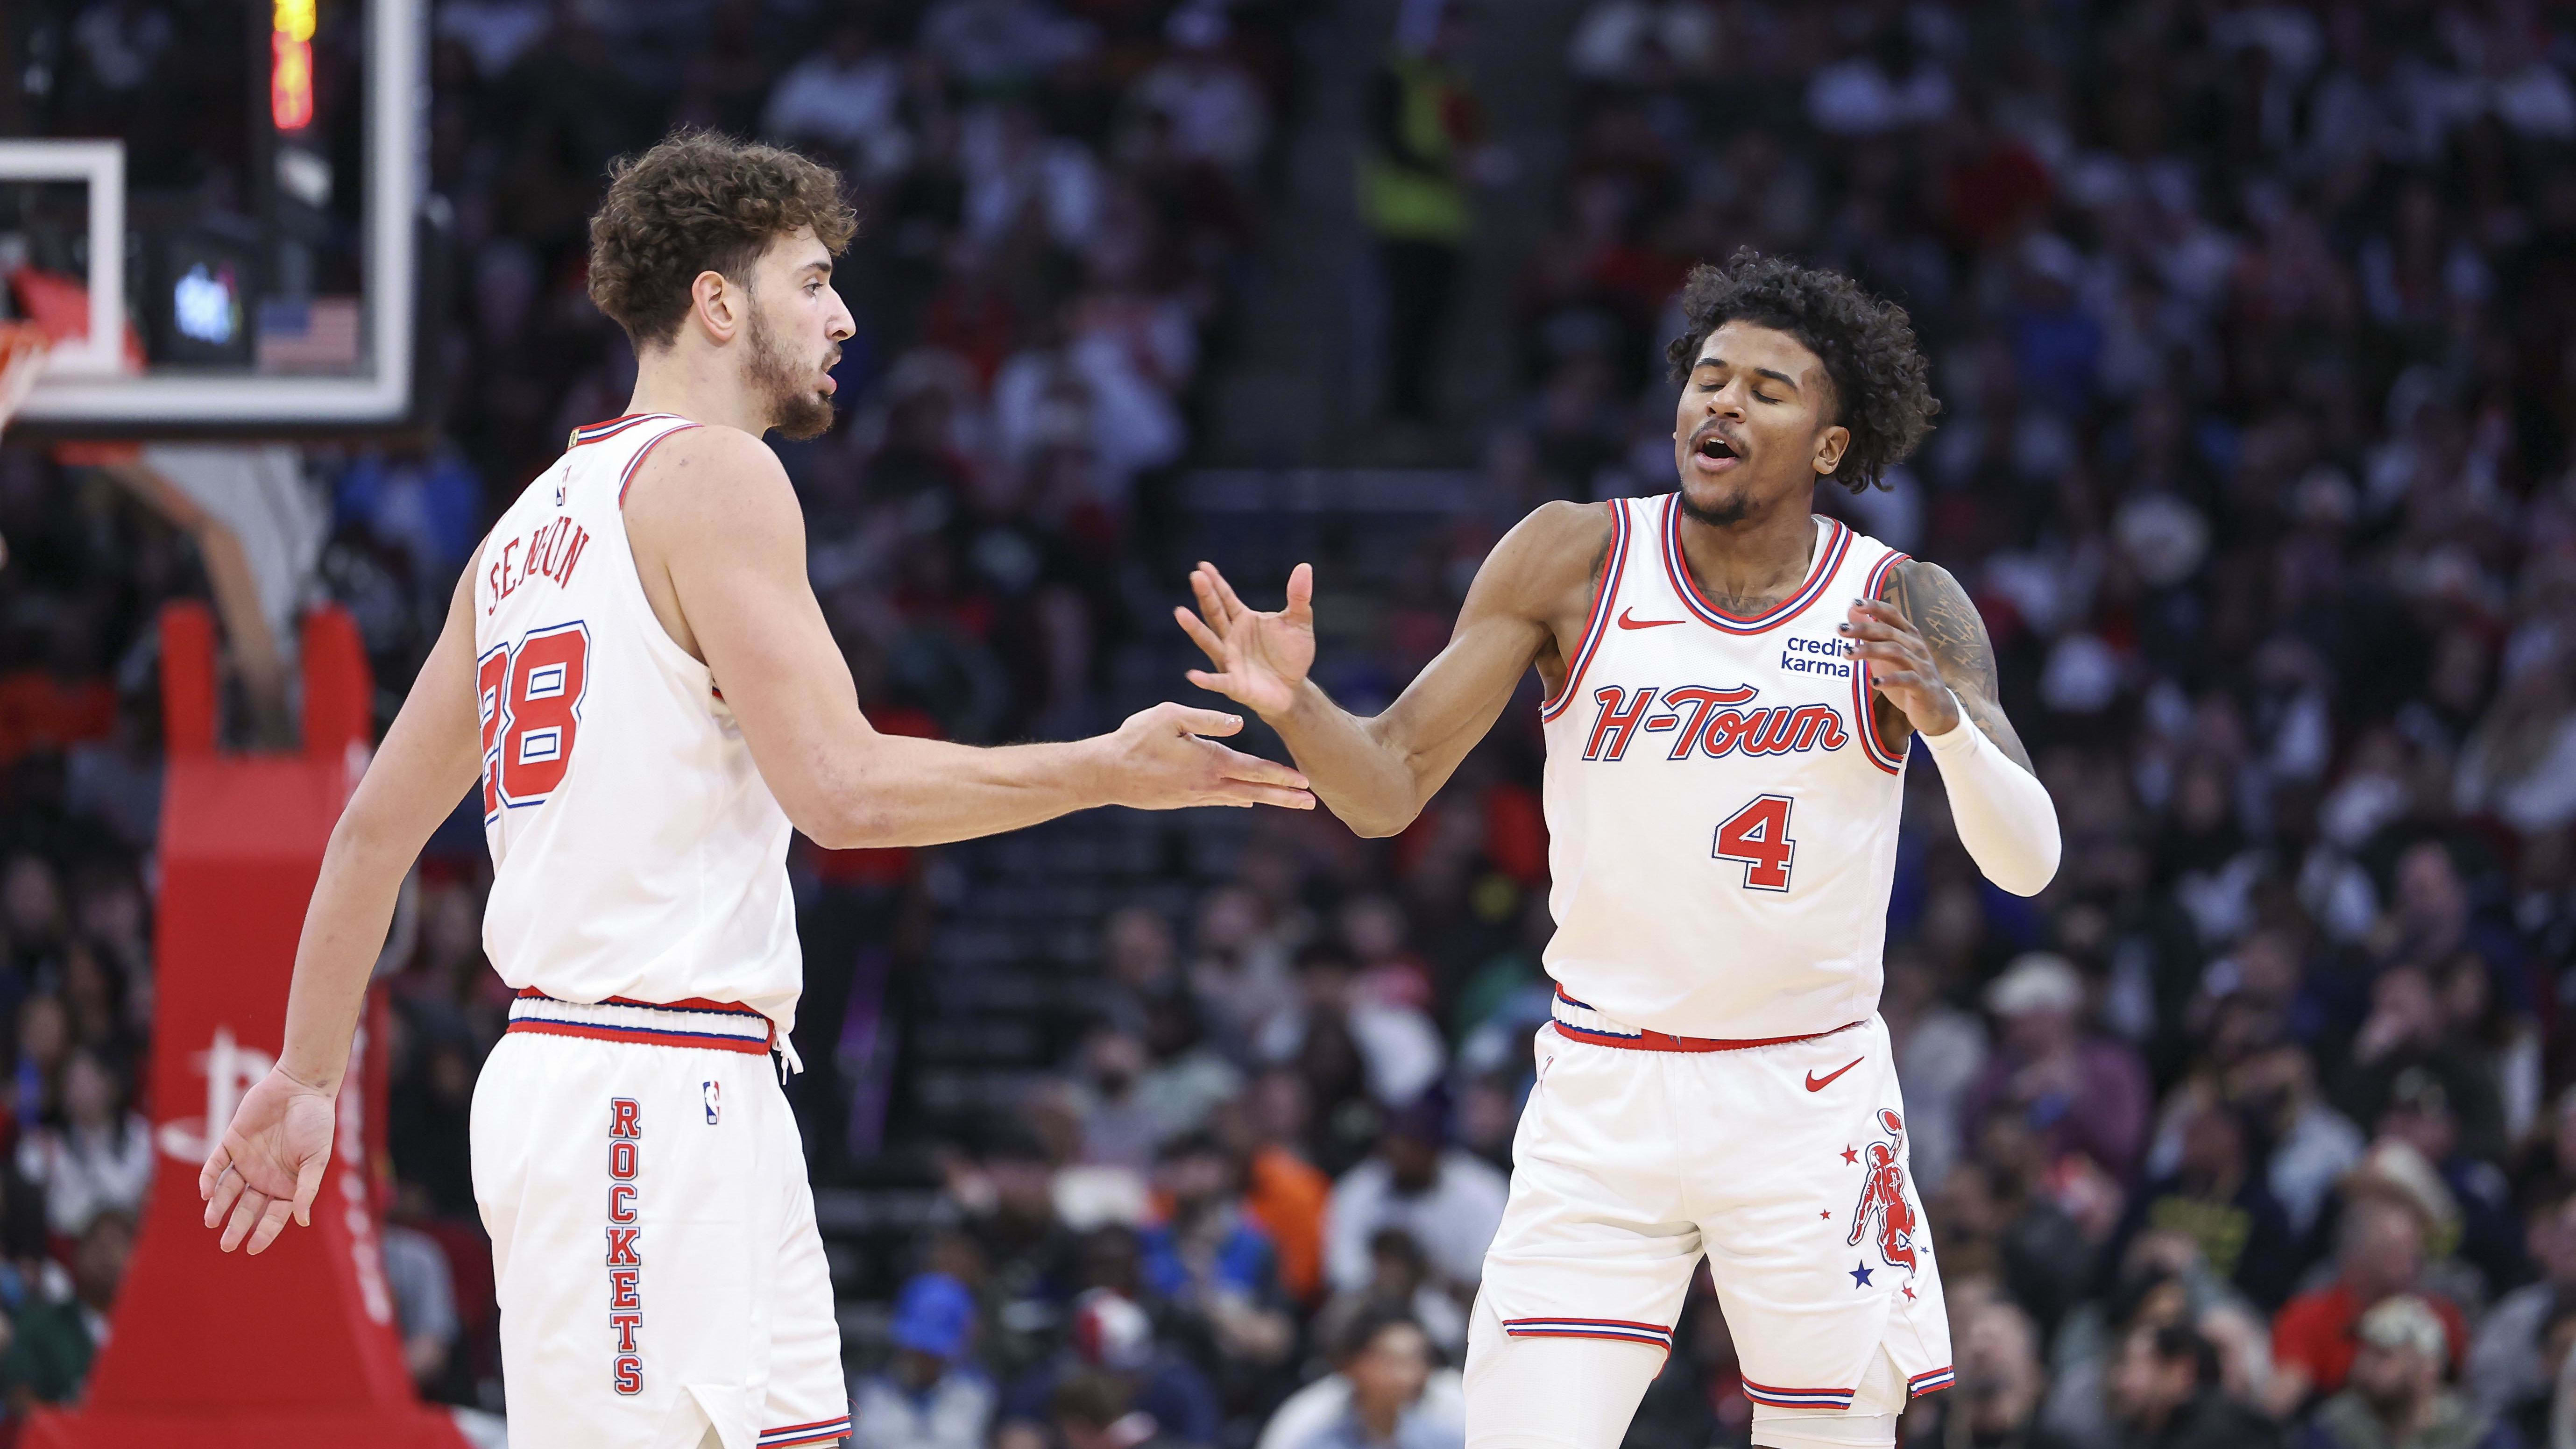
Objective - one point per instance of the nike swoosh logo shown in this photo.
(1625, 622)
(1818, 1084)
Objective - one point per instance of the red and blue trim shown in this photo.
(1770, 1397)
(1601, 1031)
(627, 478)
(1930, 1383)
(1621, 1329)
(725, 1026)
(1865, 718)
(601, 431)
(821, 1431)
(1829, 557)
(1597, 625)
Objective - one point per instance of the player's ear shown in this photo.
(716, 304)
(1831, 444)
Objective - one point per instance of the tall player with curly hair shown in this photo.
(637, 686)
(1732, 686)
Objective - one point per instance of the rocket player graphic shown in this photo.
(1732, 684)
(1882, 1199)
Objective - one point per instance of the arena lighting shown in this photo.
(290, 70)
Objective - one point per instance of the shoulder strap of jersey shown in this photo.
(618, 446)
(1605, 595)
(1879, 560)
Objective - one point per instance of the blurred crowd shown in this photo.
(2252, 322)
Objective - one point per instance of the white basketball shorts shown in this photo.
(653, 1235)
(1784, 1162)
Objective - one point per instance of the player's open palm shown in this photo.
(269, 1163)
(1160, 760)
(1261, 659)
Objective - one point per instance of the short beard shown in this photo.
(796, 409)
(1726, 515)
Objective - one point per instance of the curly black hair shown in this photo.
(1882, 387)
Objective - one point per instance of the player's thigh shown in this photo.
(1596, 1229)
(629, 1286)
(1548, 1392)
(1815, 1236)
(807, 1400)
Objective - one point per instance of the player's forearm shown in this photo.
(899, 791)
(344, 932)
(2003, 814)
(1361, 775)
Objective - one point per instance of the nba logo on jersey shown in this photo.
(714, 1093)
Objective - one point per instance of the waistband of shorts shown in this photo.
(1577, 1021)
(725, 1026)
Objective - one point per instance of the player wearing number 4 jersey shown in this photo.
(636, 670)
(1731, 686)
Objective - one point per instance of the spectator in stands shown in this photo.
(49, 1352)
(1111, 1339)
(99, 1159)
(2001, 1381)
(2081, 1092)
(1450, 1201)
(2165, 1393)
(1095, 1411)
(1387, 1362)
(1208, 1258)
(2395, 1399)
(1424, 129)
(1400, 1282)
(2312, 1143)
(2511, 1373)
(2214, 1198)
(2379, 1254)
(931, 1396)
(1283, 1192)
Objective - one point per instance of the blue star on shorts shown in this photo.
(1859, 1276)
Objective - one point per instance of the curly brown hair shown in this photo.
(698, 202)
(1882, 387)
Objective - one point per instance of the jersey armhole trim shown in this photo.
(1597, 622)
(1863, 716)
(626, 479)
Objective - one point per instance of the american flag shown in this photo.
(316, 335)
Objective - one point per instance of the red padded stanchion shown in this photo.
(296, 1347)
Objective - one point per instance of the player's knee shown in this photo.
(1822, 1429)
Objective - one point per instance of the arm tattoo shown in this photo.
(1948, 620)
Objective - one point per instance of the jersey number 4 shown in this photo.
(529, 695)
(1758, 835)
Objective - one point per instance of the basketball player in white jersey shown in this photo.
(1731, 683)
(636, 669)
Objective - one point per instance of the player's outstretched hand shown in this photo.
(1158, 761)
(269, 1163)
(1261, 659)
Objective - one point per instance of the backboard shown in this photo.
(247, 266)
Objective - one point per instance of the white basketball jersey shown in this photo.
(1722, 821)
(636, 851)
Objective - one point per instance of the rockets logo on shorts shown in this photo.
(625, 1261)
(1882, 1199)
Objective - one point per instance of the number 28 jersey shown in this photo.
(1722, 818)
(636, 851)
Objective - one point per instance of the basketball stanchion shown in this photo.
(297, 1347)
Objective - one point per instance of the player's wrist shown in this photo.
(306, 1079)
(1950, 734)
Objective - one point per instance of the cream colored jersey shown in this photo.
(636, 851)
(1722, 819)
